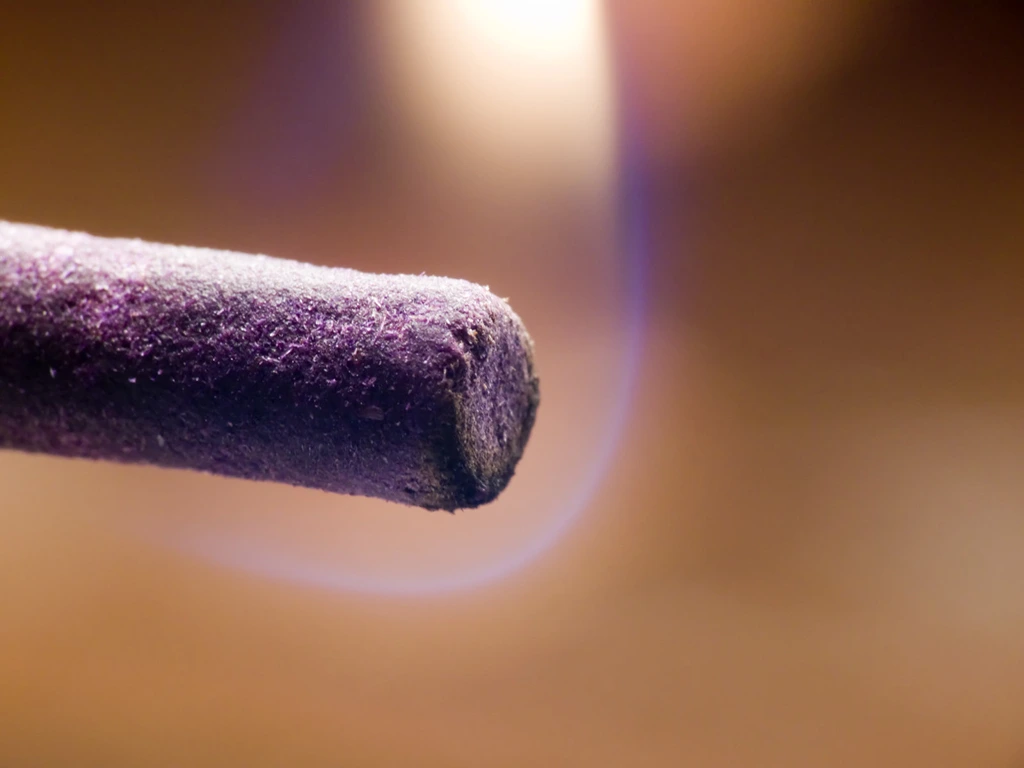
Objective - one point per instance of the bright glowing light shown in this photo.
(526, 27)
(507, 91)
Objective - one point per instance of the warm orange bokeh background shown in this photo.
(809, 550)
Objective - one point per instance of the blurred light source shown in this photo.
(506, 93)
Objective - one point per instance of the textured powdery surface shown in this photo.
(419, 390)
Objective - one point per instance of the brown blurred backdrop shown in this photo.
(808, 549)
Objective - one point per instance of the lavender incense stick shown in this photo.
(419, 390)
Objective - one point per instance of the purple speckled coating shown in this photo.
(419, 390)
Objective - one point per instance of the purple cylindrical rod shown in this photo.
(419, 390)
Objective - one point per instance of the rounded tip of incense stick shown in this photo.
(493, 402)
(466, 393)
(419, 390)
